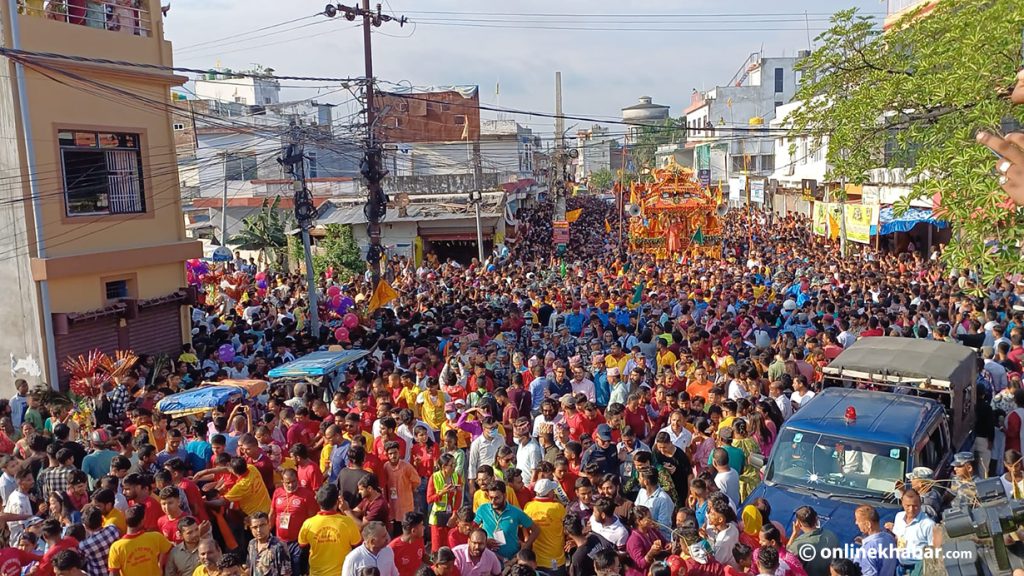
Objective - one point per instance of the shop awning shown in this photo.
(890, 223)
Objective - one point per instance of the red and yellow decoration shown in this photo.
(677, 216)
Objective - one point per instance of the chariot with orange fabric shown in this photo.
(674, 217)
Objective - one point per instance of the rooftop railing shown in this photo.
(125, 16)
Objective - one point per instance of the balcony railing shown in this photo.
(125, 16)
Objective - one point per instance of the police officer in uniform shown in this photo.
(962, 485)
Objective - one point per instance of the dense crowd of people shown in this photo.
(564, 415)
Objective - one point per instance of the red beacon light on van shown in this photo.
(851, 414)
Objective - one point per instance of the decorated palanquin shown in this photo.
(675, 216)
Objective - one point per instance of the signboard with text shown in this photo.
(560, 234)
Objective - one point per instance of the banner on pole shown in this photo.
(859, 221)
(560, 233)
(757, 190)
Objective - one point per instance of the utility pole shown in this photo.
(224, 204)
(295, 162)
(478, 198)
(559, 164)
(373, 165)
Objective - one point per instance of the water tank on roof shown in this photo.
(645, 111)
(756, 121)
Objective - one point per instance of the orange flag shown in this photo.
(573, 215)
(383, 294)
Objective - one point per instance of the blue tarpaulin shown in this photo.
(891, 223)
(316, 364)
(199, 399)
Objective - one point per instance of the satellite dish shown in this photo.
(633, 210)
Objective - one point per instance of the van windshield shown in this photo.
(836, 465)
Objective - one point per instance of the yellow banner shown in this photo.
(859, 220)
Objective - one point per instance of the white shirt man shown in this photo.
(615, 532)
(586, 387)
(912, 536)
(681, 439)
(18, 503)
(361, 557)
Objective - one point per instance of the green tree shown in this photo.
(648, 138)
(913, 98)
(266, 232)
(338, 248)
(601, 180)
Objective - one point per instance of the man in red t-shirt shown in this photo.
(179, 477)
(408, 548)
(291, 506)
(303, 431)
(308, 471)
(250, 449)
(170, 503)
(51, 534)
(12, 559)
(138, 489)
(572, 417)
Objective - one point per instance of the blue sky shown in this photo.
(615, 58)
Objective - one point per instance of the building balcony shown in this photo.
(124, 16)
(111, 29)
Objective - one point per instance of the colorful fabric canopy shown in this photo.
(890, 223)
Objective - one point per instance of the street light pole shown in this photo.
(476, 197)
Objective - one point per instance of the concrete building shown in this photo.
(421, 224)
(95, 254)
(896, 9)
(800, 165)
(224, 86)
(597, 149)
(727, 119)
(232, 148)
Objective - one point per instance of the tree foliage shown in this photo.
(648, 138)
(601, 180)
(338, 248)
(266, 232)
(914, 97)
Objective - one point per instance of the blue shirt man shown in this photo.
(877, 553)
(575, 321)
(502, 521)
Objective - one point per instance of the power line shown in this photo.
(223, 38)
(27, 54)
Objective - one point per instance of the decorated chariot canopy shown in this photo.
(673, 216)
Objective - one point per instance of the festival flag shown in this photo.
(638, 293)
(573, 215)
(698, 237)
(383, 294)
(607, 226)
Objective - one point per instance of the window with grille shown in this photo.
(102, 173)
(117, 289)
(240, 167)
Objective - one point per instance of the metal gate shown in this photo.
(156, 329)
(83, 337)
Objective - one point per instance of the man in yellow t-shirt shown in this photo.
(249, 491)
(138, 553)
(104, 500)
(480, 496)
(209, 557)
(666, 358)
(547, 514)
(329, 535)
